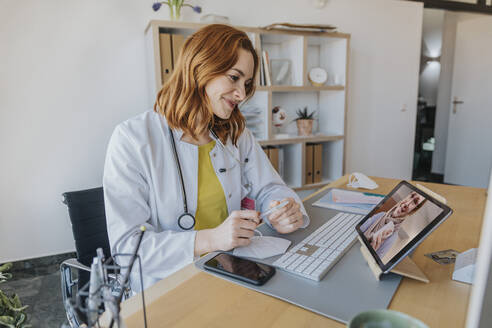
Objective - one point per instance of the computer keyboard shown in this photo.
(313, 257)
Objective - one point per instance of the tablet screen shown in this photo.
(399, 221)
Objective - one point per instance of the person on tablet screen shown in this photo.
(380, 230)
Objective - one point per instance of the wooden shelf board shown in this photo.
(293, 88)
(314, 138)
(196, 26)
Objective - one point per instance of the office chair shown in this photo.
(88, 217)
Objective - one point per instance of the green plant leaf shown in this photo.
(20, 319)
(302, 114)
(5, 276)
(16, 301)
(16, 309)
(4, 300)
(7, 321)
(5, 267)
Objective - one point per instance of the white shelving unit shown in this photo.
(304, 50)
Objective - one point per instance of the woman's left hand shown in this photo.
(288, 218)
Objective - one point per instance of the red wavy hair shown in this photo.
(208, 53)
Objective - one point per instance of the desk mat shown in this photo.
(347, 289)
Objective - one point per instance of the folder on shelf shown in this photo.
(267, 151)
(309, 164)
(274, 158)
(275, 155)
(166, 56)
(317, 162)
(177, 43)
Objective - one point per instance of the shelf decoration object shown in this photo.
(279, 117)
(213, 18)
(175, 8)
(317, 76)
(304, 122)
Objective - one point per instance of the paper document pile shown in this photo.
(349, 201)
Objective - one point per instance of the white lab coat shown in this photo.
(141, 187)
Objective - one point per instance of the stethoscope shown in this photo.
(186, 221)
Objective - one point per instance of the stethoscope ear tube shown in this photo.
(186, 221)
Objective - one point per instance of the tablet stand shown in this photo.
(407, 267)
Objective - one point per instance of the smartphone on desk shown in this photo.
(239, 268)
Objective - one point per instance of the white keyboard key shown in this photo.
(285, 257)
(325, 265)
(311, 268)
(318, 252)
(290, 260)
(304, 264)
(298, 261)
(326, 253)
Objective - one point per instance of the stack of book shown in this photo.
(265, 69)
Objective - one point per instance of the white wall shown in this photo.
(71, 70)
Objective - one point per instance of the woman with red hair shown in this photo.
(183, 169)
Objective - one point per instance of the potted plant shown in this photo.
(175, 7)
(304, 122)
(12, 313)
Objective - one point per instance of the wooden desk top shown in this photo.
(208, 301)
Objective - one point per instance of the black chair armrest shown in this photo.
(73, 263)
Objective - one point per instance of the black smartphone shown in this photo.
(239, 268)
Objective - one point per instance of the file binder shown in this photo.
(177, 42)
(166, 56)
(317, 163)
(309, 164)
(274, 158)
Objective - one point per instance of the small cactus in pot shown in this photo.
(304, 122)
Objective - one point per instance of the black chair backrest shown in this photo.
(88, 217)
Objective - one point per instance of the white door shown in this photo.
(469, 146)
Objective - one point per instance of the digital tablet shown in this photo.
(399, 223)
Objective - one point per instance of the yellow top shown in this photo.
(211, 208)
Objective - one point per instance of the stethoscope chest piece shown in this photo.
(186, 221)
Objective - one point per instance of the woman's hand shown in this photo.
(382, 234)
(287, 219)
(234, 232)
